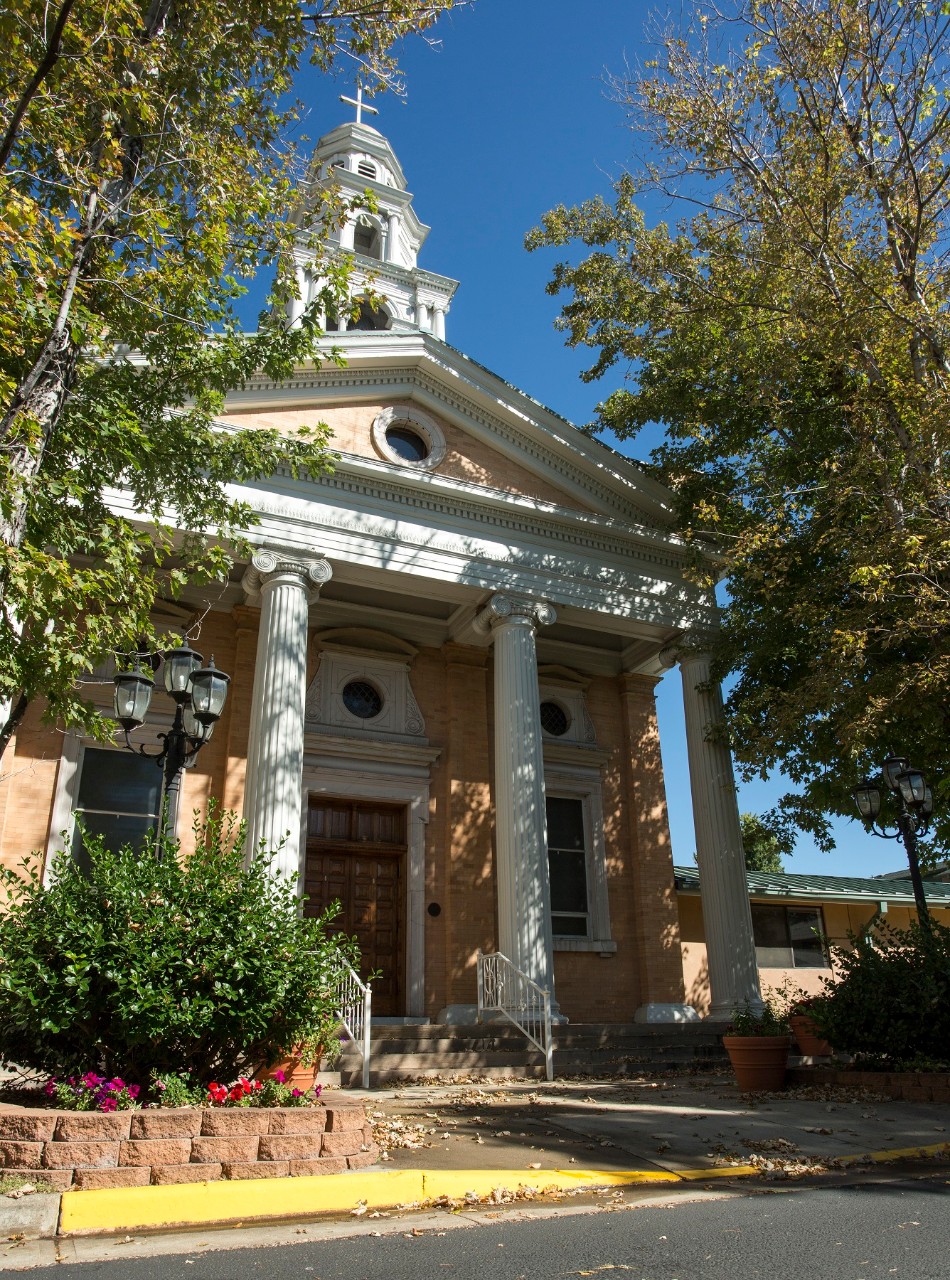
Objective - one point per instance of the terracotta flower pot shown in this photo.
(759, 1062)
(295, 1073)
(810, 1042)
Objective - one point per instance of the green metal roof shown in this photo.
(770, 884)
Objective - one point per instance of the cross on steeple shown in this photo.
(360, 105)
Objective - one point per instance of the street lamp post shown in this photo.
(199, 695)
(915, 805)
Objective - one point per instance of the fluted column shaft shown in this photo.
(730, 947)
(521, 843)
(273, 792)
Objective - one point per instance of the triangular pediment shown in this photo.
(489, 435)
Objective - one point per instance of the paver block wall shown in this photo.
(190, 1144)
(905, 1086)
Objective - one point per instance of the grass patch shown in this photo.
(16, 1181)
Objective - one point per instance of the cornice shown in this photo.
(328, 747)
(498, 510)
(409, 277)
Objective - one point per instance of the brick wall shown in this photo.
(188, 1144)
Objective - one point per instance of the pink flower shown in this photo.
(296, 1093)
(133, 1091)
(91, 1081)
(108, 1104)
(280, 1077)
(317, 1090)
(50, 1087)
(115, 1083)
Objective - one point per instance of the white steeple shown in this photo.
(385, 242)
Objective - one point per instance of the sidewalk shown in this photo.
(678, 1124)
(463, 1145)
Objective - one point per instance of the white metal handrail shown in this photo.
(353, 1006)
(504, 989)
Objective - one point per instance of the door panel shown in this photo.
(367, 881)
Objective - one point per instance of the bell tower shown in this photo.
(384, 237)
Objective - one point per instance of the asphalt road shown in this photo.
(899, 1229)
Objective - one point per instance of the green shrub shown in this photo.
(892, 998)
(133, 966)
(769, 1021)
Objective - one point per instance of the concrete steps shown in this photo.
(498, 1051)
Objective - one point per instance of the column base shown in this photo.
(458, 1015)
(466, 1015)
(666, 1013)
(724, 1012)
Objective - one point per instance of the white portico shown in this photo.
(491, 599)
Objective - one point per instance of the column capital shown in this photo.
(689, 646)
(504, 608)
(266, 566)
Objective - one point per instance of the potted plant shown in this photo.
(811, 1043)
(306, 1059)
(758, 1043)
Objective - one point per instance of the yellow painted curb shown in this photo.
(199, 1203)
(896, 1153)
(202, 1203)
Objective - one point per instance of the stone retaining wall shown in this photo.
(85, 1149)
(905, 1086)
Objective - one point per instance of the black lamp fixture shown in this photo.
(199, 694)
(914, 805)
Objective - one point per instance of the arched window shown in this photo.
(369, 317)
(367, 240)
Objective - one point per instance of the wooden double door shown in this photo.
(356, 854)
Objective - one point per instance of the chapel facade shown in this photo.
(443, 659)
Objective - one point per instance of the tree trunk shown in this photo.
(38, 411)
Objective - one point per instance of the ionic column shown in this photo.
(438, 323)
(521, 841)
(730, 947)
(273, 791)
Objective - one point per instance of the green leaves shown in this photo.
(791, 333)
(890, 998)
(197, 964)
(147, 172)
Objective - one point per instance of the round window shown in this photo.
(554, 719)
(407, 444)
(362, 700)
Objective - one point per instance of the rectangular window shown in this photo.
(567, 863)
(788, 937)
(119, 799)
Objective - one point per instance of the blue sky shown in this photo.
(508, 115)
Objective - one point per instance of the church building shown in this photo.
(443, 659)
